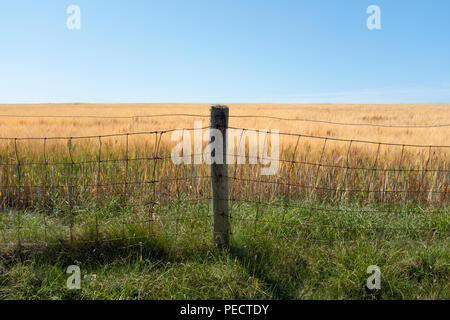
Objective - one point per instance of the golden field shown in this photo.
(375, 114)
(403, 115)
(319, 168)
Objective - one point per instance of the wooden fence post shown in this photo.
(219, 179)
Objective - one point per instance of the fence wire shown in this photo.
(125, 187)
(444, 125)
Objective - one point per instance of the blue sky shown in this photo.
(225, 51)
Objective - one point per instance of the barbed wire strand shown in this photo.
(72, 188)
(231, 116)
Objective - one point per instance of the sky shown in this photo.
(213, 51)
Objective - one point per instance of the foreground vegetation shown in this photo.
(296, 251)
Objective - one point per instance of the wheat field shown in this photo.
(410, 115)
(403, 115)
(322, 168)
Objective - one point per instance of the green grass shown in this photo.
(284, 250)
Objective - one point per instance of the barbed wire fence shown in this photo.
(46, 182)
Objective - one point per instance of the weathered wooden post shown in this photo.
(219, 176)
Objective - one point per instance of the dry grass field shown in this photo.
(323, 168)
(410, 115)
